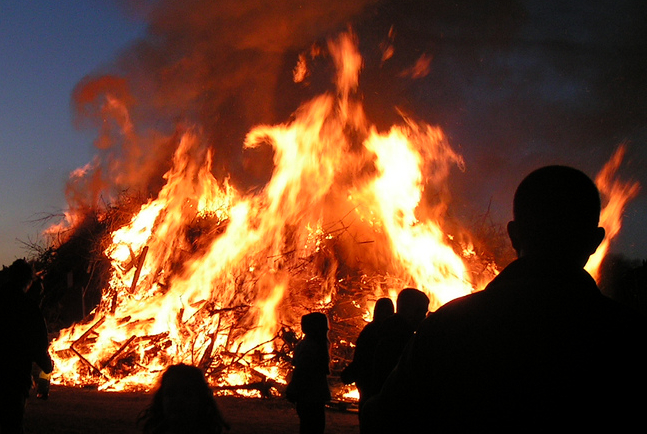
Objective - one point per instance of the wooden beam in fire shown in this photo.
(138, 262)
(138, 269)
(264, 386)
(80, 339)
(119, 351)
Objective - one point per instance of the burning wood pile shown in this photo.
(204, 274)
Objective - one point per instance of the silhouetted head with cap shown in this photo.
(315, 325)
(556, 214)
(19, 275)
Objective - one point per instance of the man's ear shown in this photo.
(596, 238)
(513, 233)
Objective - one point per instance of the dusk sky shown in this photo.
(515, 86)
(46, 48)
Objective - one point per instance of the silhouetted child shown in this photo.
(40, 379)
(359, 371)
(309, 385)
(183, 403)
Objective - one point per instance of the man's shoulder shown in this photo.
(371, 327)
(622, 315)
(462, 310)
(464, 304)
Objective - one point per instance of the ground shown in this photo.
(81, 411)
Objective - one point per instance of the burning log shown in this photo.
(82, 338)
(207, 357)
(264, 386)
(88, 331)
(87, 362)
(265, 389)
(107, 362)
(140, 262)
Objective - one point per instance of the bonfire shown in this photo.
(202, 273)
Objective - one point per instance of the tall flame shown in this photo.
(615, 195)
(209, 275)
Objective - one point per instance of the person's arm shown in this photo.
(39, 341)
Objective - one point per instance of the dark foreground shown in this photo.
(80, 411)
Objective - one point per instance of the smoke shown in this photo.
(514, 84)
(209, 66)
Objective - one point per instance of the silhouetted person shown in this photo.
(412, 307)
(183, 404)
(539, 349)
(359, 371)
(308, 387)
(24, 341)
(40, 379)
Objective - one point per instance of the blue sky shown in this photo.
(46, 48)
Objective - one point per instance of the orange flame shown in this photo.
(342, 215)
(615, 196)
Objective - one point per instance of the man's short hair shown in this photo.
(556, 205)
(411, 298)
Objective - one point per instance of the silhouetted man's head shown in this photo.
(556, 213)
(413, 305)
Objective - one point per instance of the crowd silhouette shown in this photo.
(540, 348)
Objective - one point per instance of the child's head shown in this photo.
(185, 393)
(182, 401)
(315, 325)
